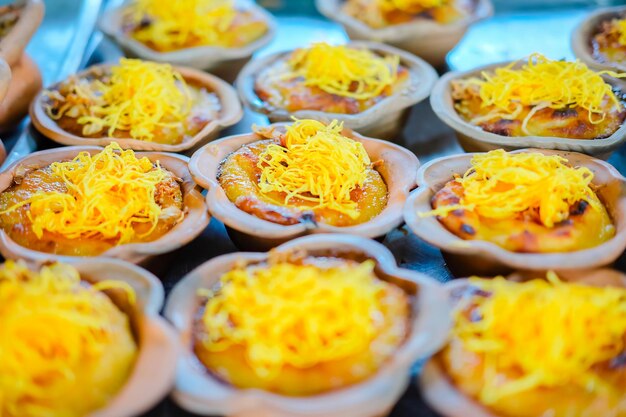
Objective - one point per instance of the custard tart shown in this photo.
(534, 348)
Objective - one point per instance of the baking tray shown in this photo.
(67, 42)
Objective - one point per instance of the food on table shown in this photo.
(299, 324)
(539, 348)
(305, 172)
(340, 79)
(134, 99)
(609, 42)
(541, 98)
(383, 13)
(166, 26)
(90, 204)
(65, 347)
(524, 202)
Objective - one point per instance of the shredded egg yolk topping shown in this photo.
(541, 334)
(543, 83)
(108, 193)
(410, 6)
(502, 185)
(140, 97)
(295, 315)
(65, 348)
(317, 163)
(176, 24)
(619, 26)
(344, 71)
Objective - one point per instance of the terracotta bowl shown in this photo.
(200, 392)
(584, 32)
(154, 370)
(474, 139)
(230, 114)
(383, 120)
(224, 62)
(12, 45)
(250, 231)
(468, 257)
(196, 217)
(438, 390)
(424, 38)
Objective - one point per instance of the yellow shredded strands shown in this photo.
(140, 97)
(620, 26)
(542, 334)
(107, 195)
(344, 71)
(294, 315)
(502, 185)
(410, 6)
(177, 24)
(542, 83)
(65, 348)
(316, 164)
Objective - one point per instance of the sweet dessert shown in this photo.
(300, 325)
(342, 79)
(524, 202)
(538, 348)
(166, 26)
(66, 347)
(609, 42)
(541, 97)
(134, 99)
(92, 203)
(304, 172)
(383, 13)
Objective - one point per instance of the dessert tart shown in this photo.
(368, 86)
(139, 104)
(82, 338)
(426, 28)
(215, 35)
(530, 209)
(506, 359)
(308, 176)
(325, 318)
(93, 201)
(535, 102)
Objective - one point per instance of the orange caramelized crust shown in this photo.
(609, 43)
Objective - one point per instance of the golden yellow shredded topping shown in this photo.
(65, 348)
(620, 26)
(177, 24)
(108, 193)
(317, 163)
(542, 334)
(294, 315)
(543, 83)
(502, 185)
(140, 97)
(409, 6)
(344, 70)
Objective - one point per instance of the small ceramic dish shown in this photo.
(229, 114)
(12, 44)
(424, 38)
(587, 29)
(224, 62)
(194, 222)
(436, 387)
(475, 139)
(200, 392)
(249, 231)
(471, 257)
(383, 120)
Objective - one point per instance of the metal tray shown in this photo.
(66, 42)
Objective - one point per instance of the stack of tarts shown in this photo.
(141, 105)
(537, 102)
(324, 325)
(426, 28)
(217, 36)
(287, 180)
(82, 339)
(368, 86)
